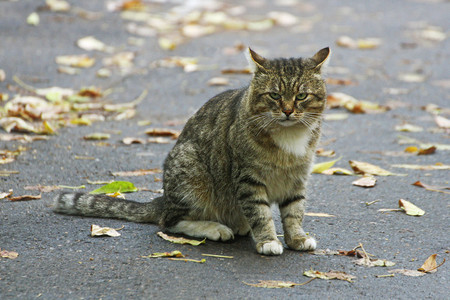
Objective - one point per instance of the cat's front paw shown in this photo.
(302, 243)
(270, 247)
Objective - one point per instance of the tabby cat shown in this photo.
(243, 151)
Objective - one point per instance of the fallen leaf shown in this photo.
(427, 151)
(335, 100)
(175, 253)
(90, 43)
(180, 240)
(412, 77)
(163, 132)
(273, 284)
(325, 153)
(408, 128)
(25, 198)
(368, 169)
(430, 265)
(329, 275)
(442, 122)
(433, 188)
(141, 172)
(284, 19)
(423, 167)
(366, 181)
(58, 5)
(78, 61)
(236, 71)
(116, 186)
(4, 195)
(103, 231)
(159, 140)
(367, 43)
(407, 272)
(368, 262)
(324, 252)
(335, 117)
(132, 140)
(320, 167)
(33, 19)
(216, 81)
(410, 208)
(411, 149)
(324, 215)
(337, 171)
(97, 136)
(122, 60)
(337, 81)
(8, 254)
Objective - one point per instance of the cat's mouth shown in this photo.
(287, 122)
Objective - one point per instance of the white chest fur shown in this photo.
(293, 140)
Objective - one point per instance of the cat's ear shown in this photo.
(255, 61)
(321, 58)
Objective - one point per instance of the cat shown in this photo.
(241, 152)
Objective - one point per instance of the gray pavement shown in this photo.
(59, 260)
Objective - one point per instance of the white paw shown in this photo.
(218, 232)
(309, 244)
(270, 248)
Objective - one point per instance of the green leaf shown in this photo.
(320, 167)
(114, 187)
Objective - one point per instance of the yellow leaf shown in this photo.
(337, 171)
(329, 275)
(411, 149)
(365, 168)
(33, 19)
(430, 265)
(175, 253)
(273, 284)
(102, 231)
(410, 208)
(324, 215)
(320, 167)
(180, 240)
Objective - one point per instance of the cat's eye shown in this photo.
(275, 96)
(301, 96)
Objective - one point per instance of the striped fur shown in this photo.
(242, 152)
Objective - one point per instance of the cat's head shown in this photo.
(287, 92)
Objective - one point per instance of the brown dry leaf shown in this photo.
(366, 181)
(410, 208)
(324, 215)
(274, 284)
(427, 151)
(180, 240)
(430, 265)
(8, 254)
(433, 188)
(368, 169)
(103, 231)
(137, 172)
(163, 132)
(329, 275)
(77, 61)
(25, 198)
(236, 71)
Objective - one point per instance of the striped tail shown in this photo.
(108, 207)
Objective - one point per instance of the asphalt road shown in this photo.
(59, 260)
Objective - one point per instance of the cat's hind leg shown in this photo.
(203, 229)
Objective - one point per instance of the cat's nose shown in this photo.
(288, 112)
